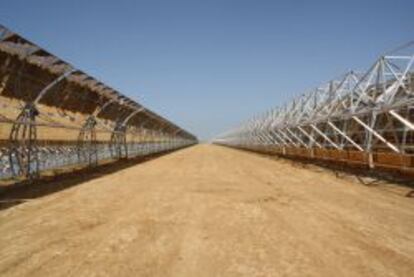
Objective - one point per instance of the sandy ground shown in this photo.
(212, 211)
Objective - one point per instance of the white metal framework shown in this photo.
(357, 118)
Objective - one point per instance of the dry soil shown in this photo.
(212, 211)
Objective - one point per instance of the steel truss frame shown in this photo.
(355, 118)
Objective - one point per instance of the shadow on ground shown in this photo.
(23, 191)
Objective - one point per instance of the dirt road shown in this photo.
(212, 211)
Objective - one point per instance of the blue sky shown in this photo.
(208, 65)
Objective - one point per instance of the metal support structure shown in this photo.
(376, 134)
(324, 136)
(23, 153)
(87, 147)
(345, 136)
(118, 143)
(361, 118)
(69, 127)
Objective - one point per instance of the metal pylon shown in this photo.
(118, 145)
(87, 145)
(23, 154)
